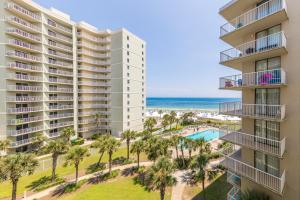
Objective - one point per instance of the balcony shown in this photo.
(24, 35)
(263, 144)
(23, 56)
(25, 77)
(60, 37)
(93, 54)
(93, 91)
(61, 89)
(265, 79)
(23, 12)
(93, 76)
(53, 134)
(84, 98)
(59, 27)
(89, 106)
(60, 64)
(59, 46)
(94, 83)
(254, 111)
(266, 15)
(60, 55)
(93, 62)
(16, 144)
(60, 72)
(25, 131)
(24, 88)
(94, 69)
(232, 161)
(25, 67)
(93, 47)
(24, 45)
(60, 98)
(270, 46)
(23, 24)
(60, 81)
(234, 194)
(92, 121)
(25, 110)
(93, 38)
(62, 124)
(91, 113)
(61, 116)
(60, 107)
(24, 98)
(24, 120)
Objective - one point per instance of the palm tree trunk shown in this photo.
(100, 158)
(203, 189)
(54, 164)
(109, 162)
(76, 168)
(138, 160)
(128, 144)
(176, 148)
(182, 153)
(190, 153)
(14, 190)
(162, 193)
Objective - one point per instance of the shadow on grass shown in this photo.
(217, 190)
(95, 168)
(44, 183)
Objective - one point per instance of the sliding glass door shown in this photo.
(267, 163)
(269, 38)
(270, 97)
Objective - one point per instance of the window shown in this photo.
(128, 116)
(128, 67)
(128, 88)
(128, 123)
(142, 58)
(128, 95)
(128, 81)
(267, 163)
(128, 46)
(142, 53)
(128, 109)
(128, 74)
(127, 53)
(128, 60)
(127, 37)
(142, 45)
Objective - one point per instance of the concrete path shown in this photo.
(49, 191)
(178, 189)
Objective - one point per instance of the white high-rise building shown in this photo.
(56, 73)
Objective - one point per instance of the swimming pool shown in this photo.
(208, 135)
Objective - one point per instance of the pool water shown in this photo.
(208, 135)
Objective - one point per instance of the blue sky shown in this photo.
(182, 40)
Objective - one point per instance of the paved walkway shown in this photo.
(178, 189)
(49, 191)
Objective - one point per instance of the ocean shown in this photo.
(187, 103)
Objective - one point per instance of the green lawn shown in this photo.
(119, 189)
(6, 187)
(217, 190)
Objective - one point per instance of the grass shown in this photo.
(25, 181)
(217, 190)
(117, 189)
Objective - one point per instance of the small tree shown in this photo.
(100, 144)
(165, 121)
(74, 156)
(172, 118)
(175, 142)
(56, 148)
(112, 146)
(182, 141)
(190, 145)
(159, 176)
(14, 166)
(138, 147)
(67, 133)
(150, 123)
(3, 145)
(160, 112)
(128, 136)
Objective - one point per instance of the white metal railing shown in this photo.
(60, 72)
(263, 44)
(61, 115)
(53, 135)
(92, 61)
(253, 15)
(88, 121)
(94, 83)
(94, 47)
(20, 9)
(60, 63)
(24, 34)
(94, 106)
(25, 131)
(232, 163)
(267, 145)
(23, 98)
(260, 111)
(61, 89)
(94, 98)
(61, 124)
(23, 23)
(24, 45)
(93, 76)
(25, 120)
(60, 107)
(25, 109)
(93, 91)
(262, 78)
(24, 55)
(94, 69)
(60, 55)
(83, 113)
(234, 194)
(93, 38)
(19, 143)
(61, 98)
(60, 80)
(93, 53)
(60, 36)
(25, 77)
(25, 88)
(59, 45)
(17, 65)
(58, 26)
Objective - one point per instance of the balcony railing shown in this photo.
(233, 163)
(83, 106)
(234, 194)
(16, 65)
(61, 55)
(94, 83)
(266, 145)
(24, 34)
(94, 47)
(94, 98)
(53, 135)
(87, 113)
(94, 62)
(25, 120)
(60, 80)
(19, 143)
(273, 41)
(256, 111)
(61, 124)
(60, 107)
(60, 72)
(25, 77)
(66, 90)
(24, 88)
(262, 78)
(60, 63)
(60, 46)
(24, 98)
(61, 98)
(19, 9)
(94, 69)
(60, 37)
(93, 38)
(93, 91)
(93, 54)
(92, 121)
(23, 23)
(24, 45)
(24, 56)
(58, 26)
(25, 109)
(61, 115)
(233, 179)
(253, 15)
(25, 131)
(93, 76)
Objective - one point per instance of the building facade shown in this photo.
(56, 73)
(265, 38)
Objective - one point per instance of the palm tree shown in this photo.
(190, 145)
(138, 147)
(174, 140)
(128, 136)
(150, 123)
(3, 145)
(156, 147)
(182, 141)
(56, 148)
(177, 120)
(165, 121)
(100, 144)
(159, 176)
(112, 146)
(201, 145)
(172, 118)
(160, 112)
(200, 171)
(67, 133)
(14, 166)
(74, 156)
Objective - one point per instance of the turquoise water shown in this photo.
(208, 135)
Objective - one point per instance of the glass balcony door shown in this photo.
(268, 71)
(265, 96)
(267, 163)
(268, 38)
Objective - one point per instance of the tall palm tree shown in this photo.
(14, 166)
(201, 172)
(190, 145)
(100, 144)
(160, 112)
(112, 146)
(201, 143)
(165, 121)
(156, 147)
(56, 148)
(150, 123)
(174, 140)
(67, 133)
(138, 147)
(74, 156)
(182, 141)
(159, 176)
(128, 136)
(172, 118)
(3, 145)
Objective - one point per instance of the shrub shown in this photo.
(111, 175)
(95, 136)
(44, 183)
(121, 161)
(179, 164)
(78, 141)
(71, 187)
(214, 155)
(95, 168)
